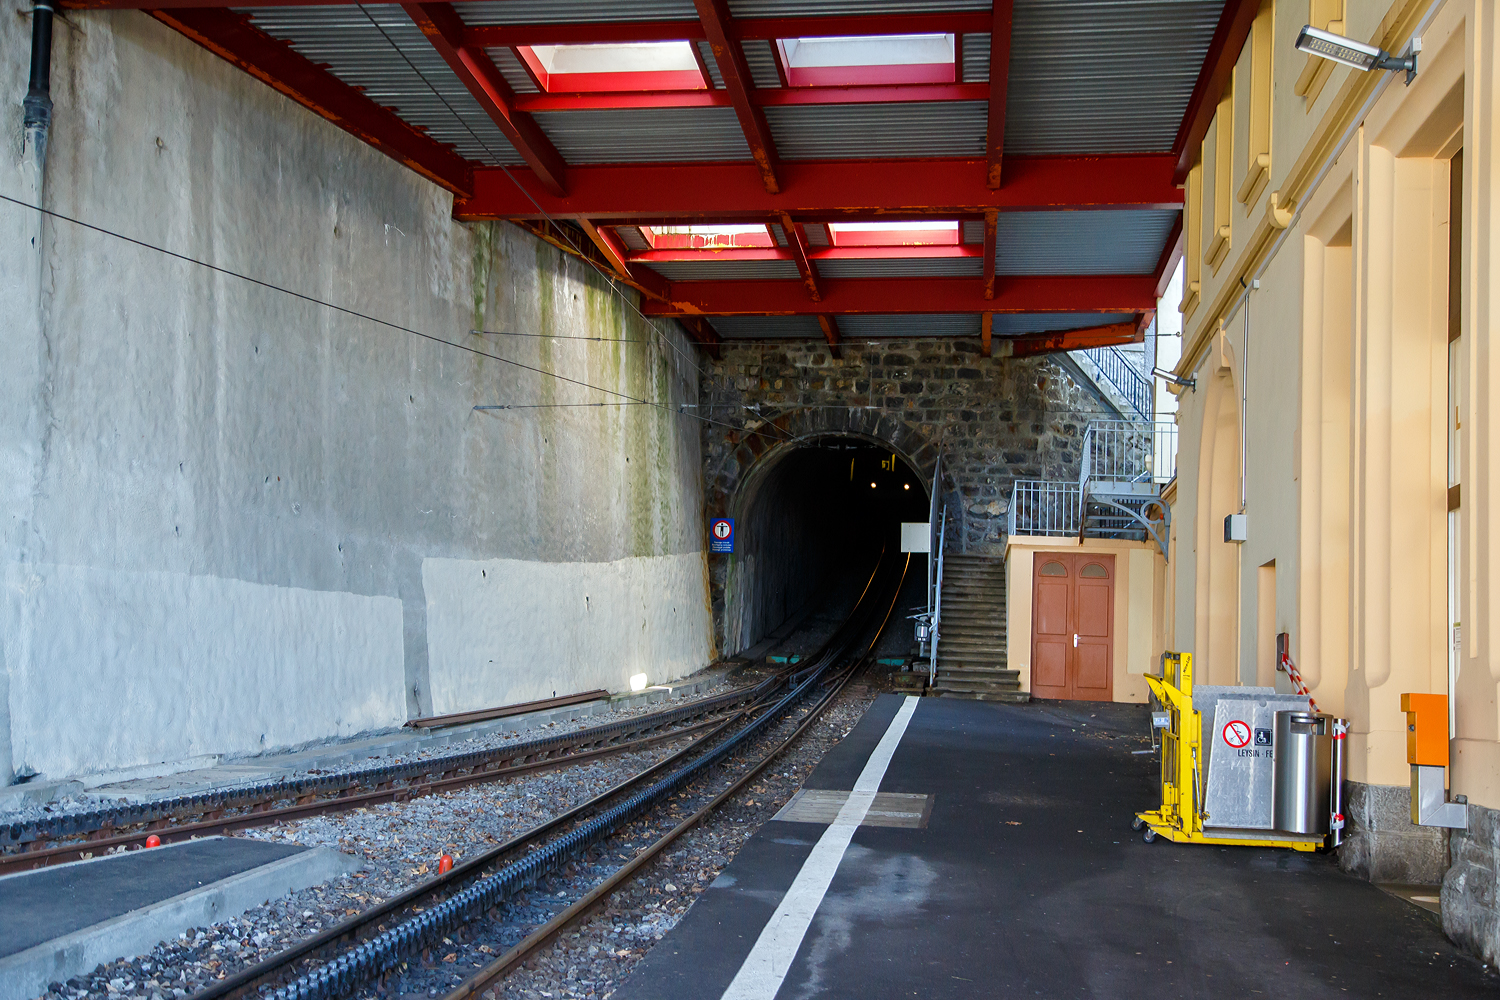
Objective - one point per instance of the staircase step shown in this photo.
(946, 669)
(1014, 697)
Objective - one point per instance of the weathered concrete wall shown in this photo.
(994, 420)
(235, 519)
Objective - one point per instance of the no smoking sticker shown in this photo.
(1237, 733)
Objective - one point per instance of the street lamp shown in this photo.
(1327, 45)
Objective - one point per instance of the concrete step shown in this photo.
(999, 687)
(1013, 697)
(961, 672)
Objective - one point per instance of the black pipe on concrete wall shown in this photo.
(37, 106)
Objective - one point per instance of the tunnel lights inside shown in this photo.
(894, 234)
(614, 67)
(706, 237)
(866, 60)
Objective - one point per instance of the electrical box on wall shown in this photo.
(1234, 528)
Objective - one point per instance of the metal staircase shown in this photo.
(1118, 493)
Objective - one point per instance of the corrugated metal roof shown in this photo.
(1103, 76)
(767, 327)
(760, 56)
(778, 234)
(1015, 324)
(725, 270)
(645, 135)
(903, 267)
(632, 238)
(825, 8)
(973, 230)
(1129, 241)
(378, 49)
(706, 53)
(852, 327)
(574, 11)
(817, 235)
(976, 53)
(879, 131)
(509, 65)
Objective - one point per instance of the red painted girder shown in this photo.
(1031, 344)
(813, 254)
(718, 27)
(991, 222)
(443, 28)
(831, 334)
(647, 281)
(910, 295)
(1218, 67)
(856, 189)
(231, 37)
(998, 87)
(797, 246)
(494, 35)
(764, 98)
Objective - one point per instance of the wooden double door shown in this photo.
(1072, 626)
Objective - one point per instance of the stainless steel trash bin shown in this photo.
(1303, 772)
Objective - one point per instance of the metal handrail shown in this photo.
(1127, 451)
(1039, 507)
(937, 605)
(1127, 379)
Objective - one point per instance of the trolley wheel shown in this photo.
(1149, 835)
(1137, 824)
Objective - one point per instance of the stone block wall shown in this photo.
(1471, 915)
(993, 419)
(1382, 844)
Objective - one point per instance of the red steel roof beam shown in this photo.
(444, 29)
(999, 85)
(719, 28)
(796, 241)
(1051, 293)
(991, 223)
(1032, 344)
(858, 188)
(231, 37)
(647, 281)
(1218, 67)
(830, 327)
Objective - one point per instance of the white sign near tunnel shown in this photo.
(916, 536)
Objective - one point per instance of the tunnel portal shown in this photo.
(814, 513)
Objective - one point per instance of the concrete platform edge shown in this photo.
(26, 974)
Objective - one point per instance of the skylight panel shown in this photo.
(894, 234)
(613, 67)
(846, 61)
(707, 237)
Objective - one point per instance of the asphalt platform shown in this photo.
(1027, 881)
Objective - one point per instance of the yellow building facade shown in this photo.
(1342, 231)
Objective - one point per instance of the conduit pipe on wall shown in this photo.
(37, 105)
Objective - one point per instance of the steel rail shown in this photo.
(164, 817)
(28, 860)
(500, 967)
(249, 978)
(383, 953)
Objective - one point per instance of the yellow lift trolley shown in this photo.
(1180, 818)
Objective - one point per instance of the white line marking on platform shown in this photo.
(768, 963)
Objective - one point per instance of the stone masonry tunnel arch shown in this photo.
(813, 503)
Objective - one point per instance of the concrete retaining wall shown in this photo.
(234, 519)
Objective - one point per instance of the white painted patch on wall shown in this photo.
(116, 669)
(501, 631)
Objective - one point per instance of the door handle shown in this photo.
(1075, 640)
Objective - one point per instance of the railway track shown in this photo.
(382, 940)
(77, 836)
